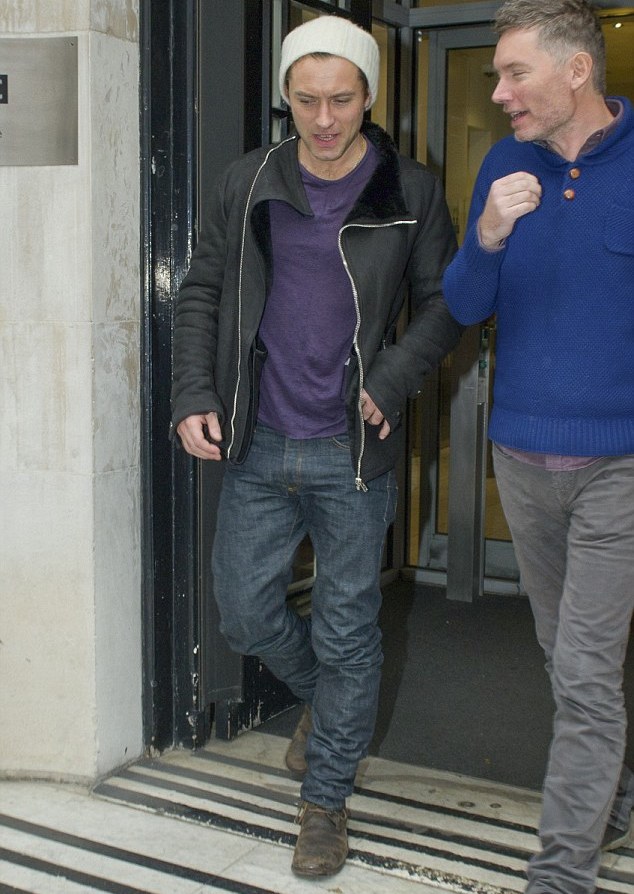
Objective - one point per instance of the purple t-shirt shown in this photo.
(309, 318)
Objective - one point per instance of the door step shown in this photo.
(442, 829)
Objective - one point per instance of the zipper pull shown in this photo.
(360, 485)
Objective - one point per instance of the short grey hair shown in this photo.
(565, 27)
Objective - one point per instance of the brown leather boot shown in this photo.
(322, 843)
(296, 753)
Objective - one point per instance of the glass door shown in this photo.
(457, 532)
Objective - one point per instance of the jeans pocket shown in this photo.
(342, 441)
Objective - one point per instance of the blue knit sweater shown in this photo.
(562, 290)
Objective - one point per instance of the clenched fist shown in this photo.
(509, 198)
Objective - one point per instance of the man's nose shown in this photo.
(501, 92)
(324, 113)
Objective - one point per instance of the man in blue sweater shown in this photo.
(550, 251)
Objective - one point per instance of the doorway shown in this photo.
(451, 531)
(429, 53)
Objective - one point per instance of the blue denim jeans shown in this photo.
(285, 489)
(573, 534)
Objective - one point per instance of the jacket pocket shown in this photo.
(256, 362)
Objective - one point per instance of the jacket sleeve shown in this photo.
(470, 283)
(398, 372)
(196, 319)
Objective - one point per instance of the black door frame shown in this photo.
(168, 485)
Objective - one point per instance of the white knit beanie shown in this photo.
(337, 36)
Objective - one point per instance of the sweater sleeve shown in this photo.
(470, 282)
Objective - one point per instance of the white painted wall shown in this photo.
(70, 594)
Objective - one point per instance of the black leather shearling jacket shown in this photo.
(398, 235)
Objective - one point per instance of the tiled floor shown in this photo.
(221, 819)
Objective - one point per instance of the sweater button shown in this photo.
(575, 173)
(569, 194)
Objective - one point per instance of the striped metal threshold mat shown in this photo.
(439, 829)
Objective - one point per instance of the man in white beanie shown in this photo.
(286, 367)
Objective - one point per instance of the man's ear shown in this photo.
(581, 68)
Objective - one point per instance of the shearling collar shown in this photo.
(381, 199)
(383, 196)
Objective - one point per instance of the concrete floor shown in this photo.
(221, 819)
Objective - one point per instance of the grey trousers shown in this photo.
(573, 534)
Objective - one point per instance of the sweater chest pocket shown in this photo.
(619, 230)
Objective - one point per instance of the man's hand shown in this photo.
(509, 198)
(373, 415)
(201, 436)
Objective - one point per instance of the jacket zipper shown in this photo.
(245, 221)
(359, 483)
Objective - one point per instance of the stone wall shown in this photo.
(70, 594)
